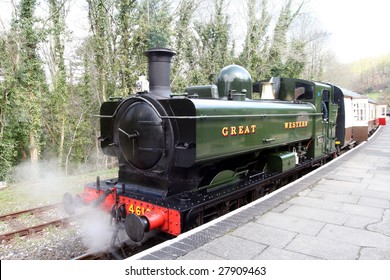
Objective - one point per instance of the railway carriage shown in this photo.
(361, 116)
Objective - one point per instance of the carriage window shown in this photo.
(359, 110)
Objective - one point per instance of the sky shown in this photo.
(358, 28)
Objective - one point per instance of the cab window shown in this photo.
(303, 91)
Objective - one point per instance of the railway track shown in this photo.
(18, 227)
(31, 211)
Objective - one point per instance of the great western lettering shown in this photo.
(238, 130)
(298, 124)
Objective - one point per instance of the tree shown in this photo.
(279, 45)
(50, 115)
(126, 19)
(159, 18)
(255, 46)
(30, 77)
(308, 33)
(57, 101)
(212, 45)
(100, 26)
(184, 60)
(10, 130)
(22, 89)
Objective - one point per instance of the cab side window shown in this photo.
(303, 91)
(325, 104)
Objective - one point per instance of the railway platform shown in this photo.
(341, 211)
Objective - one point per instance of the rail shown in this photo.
(19, 229)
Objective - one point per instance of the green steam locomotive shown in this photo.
(186, 158)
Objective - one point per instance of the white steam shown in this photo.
(96, 229)
(41, 183)
(45, 183)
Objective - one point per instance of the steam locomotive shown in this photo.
(187, 158)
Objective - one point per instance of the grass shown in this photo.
(48, 190)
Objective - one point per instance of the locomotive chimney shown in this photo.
(159, 69)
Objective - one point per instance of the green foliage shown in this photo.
(50, 114)
(184, 60)
(158, 18)
(9, 125)
(99, 22)
(295, 62)
(278, 51)
(57, 99)
(22, 89)
(278, 55)
(212, 46)
(125, 18)
(31, 82)
(8, 153)
(254, 52)
(370, 76)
